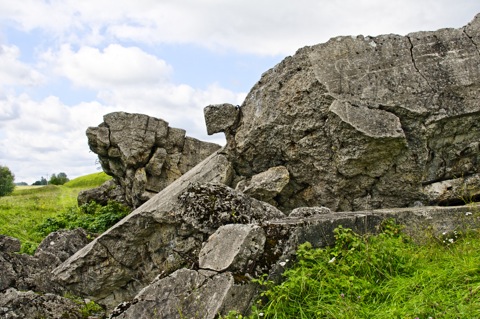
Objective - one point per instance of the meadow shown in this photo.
(30, 206)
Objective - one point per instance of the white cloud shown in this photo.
(114, 66)
(262, 27)
(46, 137)
(13, 71)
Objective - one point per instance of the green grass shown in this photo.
(27, 207)
(88, 181)
(383, 276)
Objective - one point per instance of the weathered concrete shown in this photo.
(366, 122)
(31, 305)
(26, 272)
(233, 247)
(161, 236)
(143, 154)
(183, 294)
(266, 185)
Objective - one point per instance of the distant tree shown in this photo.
(42, 181)
(6, 181)
(59, 179)
(21, 184)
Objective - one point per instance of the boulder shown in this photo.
(208, 206)
(143, 155)
(366, 122)
(26, 272)
(58, 246)
(183, 294)
(31, 305)
(234, 247)
(9, 244)
(161, 236)
(108, 191)
(228, 255)
(221, 117)
(266, 185)
(226, 261)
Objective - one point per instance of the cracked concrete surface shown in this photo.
(293, 117)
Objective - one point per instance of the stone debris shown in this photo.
(143, 155)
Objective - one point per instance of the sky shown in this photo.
(66, 63)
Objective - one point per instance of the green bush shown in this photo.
(7, 179)
(91, 217)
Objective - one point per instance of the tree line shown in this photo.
(7, 180)
(55, 179)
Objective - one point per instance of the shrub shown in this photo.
(91, 217)
(7, 178)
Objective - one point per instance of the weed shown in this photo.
(91, 217)
(382, 276)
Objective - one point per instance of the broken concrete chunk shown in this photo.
(9, 244)
(303, 212)
(184, 294)
(233, 247)
(221, 117)
(127, 143)
(209, 206)
(266, 185)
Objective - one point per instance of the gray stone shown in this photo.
(365, 122)
(183, 294)
(151, 240)
(31, 305)
(58, 246)
(209, 206)
(9, 244)
(266, 185)
(221, 117)
(108, 191)
(303, 212)
(456, 191)
(143, 154)
(421, 223)
(234, 247)
(26, 272)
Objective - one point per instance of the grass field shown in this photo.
(29, 206)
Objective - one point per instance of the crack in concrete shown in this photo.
(112, 256)
(471, 39)
(415, 64)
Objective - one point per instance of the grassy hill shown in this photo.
(29, 206)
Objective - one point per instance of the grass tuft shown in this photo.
(382, 276)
